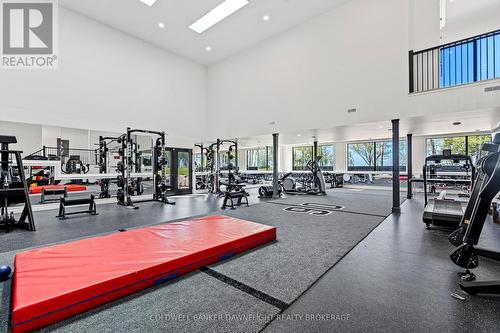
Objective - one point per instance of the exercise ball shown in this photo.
(5, 273)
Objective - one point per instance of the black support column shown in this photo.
(409, 165)
(396, 190)
(315, 149)
(276, 186)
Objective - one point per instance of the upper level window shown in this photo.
(466, 61)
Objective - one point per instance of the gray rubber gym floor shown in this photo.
(398, 278)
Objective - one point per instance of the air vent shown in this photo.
(351, 110)
(492, 89)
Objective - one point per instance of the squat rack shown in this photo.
(159, 183)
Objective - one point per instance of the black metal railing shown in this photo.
(462, 62)
(86, 156)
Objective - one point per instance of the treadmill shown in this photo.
(444, 212)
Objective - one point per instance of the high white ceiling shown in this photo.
(234, 34)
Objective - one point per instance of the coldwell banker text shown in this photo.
(29, 34)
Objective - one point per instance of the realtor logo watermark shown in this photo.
(28, 34)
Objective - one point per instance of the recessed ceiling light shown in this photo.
(217, 14)
(299, 134)
(208, 48)
(457, 123)
(266, 17)
(161, 25)
(148, 2)
(381, 126)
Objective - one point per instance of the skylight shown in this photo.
(148, 2)
(217, 14)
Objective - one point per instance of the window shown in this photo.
(197, 163)
(326, 163)
(435, 146)
(470, 61)
(466, 145)
(385, 153)
(253, 159)
(300, 157)
(260, 159)
(361, 156)
(474, 144)
(374, 156)
(223, 159)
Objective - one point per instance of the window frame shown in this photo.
(375, 157)
(267, 165)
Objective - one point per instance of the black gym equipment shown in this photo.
(441, 211)
(57, 191)
(456, 238)
(312, 183)
(467, 254)
(102, 162)
(212, 180)
(14, 189)
(128, 186)
(92, 209)
(234, 190)
(268, 191)
(203, 180)
(336, 180)
(306, 185)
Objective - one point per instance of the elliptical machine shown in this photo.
(467, 254)
(289, 185)
(318, 186)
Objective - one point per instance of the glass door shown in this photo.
(181, 170)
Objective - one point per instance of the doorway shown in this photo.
(180, 171)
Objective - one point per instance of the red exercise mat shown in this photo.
(71, 188)
(56, 282)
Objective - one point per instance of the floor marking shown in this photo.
(247, 289)
(313, 209)
(340, 211)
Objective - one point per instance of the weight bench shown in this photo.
(46, 192)
(234, 191)
(92, 210)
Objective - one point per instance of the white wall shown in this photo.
(77, 138)
(355, 56)
(29, 137)
(107, 81)
(470, 18)
(423, 24)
